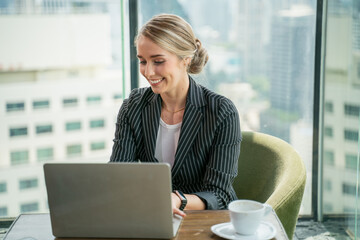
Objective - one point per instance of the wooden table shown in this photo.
(196, 225)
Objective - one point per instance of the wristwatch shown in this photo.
(182, 198)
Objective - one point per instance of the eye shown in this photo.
(159, 62)
(142, 62)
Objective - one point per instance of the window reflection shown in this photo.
(41, 104)
(13, 107)
(60, 91)
(342, 89)
(262, 58)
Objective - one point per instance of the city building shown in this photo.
(59, 99)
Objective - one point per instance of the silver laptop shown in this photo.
(110, 200)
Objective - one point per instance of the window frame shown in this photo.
(318, 100)
(42, 105)
(16, 109)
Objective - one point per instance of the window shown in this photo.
(328, 207)
(255, 52)
(93, 100)
(15, 107)
(349, 189)
(341, 88)
(74, 150)
(3, 211)
(41, 104)
(40, 129)
(3, 187)
(351, 135)
(97, 145)
(29, 207)
(352, 110)
(28, 183)
(329, 158)
(70, 102)
(99, 123)
(19, 157)
(73, 126)
(328, 131)
(45, 154)
(351, 161)
(349, 209)
(117, 96)
(18, 131)
(327, 185)
(70, 84)
(329, 107)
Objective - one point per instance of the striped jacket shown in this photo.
(209, 143)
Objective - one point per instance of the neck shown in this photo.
(177, 100)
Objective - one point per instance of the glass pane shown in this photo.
(13, 107)
(44, 129)
(41, 104)
(117, 96)
(29, 207)
(74, 150)
(262, 58)
(19, 157)
(18, 131)
(28, 183)
(44, 154)
(97, 145)
(3, 211)
(93, 100)
(71, 126)
(100, 123)
(3, 187)
(70, 102)
(61, 66)
(342, 90)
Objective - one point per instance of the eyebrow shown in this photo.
(152, 56)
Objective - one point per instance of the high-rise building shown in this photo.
(58, 98)
(290, 69)
(342, 108)
(252, 35)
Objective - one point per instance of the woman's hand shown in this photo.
(176, 202)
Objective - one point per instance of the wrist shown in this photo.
(176, 200)
(182, 198)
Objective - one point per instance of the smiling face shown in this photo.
(165, 72)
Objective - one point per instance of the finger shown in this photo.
(178, 212)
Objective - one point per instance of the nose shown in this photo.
(149, 70)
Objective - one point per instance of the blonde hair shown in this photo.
(175, 35)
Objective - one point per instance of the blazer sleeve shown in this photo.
(221, 169)
(124, 149)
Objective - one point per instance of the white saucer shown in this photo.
(225, 230)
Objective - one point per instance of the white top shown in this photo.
(167, 142)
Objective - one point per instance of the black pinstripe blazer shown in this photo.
(209, 143)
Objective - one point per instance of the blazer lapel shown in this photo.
(192, 122)
(150, 125)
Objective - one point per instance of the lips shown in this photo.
(154, 82)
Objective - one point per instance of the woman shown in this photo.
(177, 121)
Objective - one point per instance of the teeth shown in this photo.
(156, 81)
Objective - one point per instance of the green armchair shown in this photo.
(271, 171)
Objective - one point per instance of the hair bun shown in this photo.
(199, 59)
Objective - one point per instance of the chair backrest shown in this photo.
(271, 171)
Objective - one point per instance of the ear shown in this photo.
(187, 61)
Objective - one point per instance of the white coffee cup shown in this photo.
(246, 215)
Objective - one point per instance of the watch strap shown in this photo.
(182, 198)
